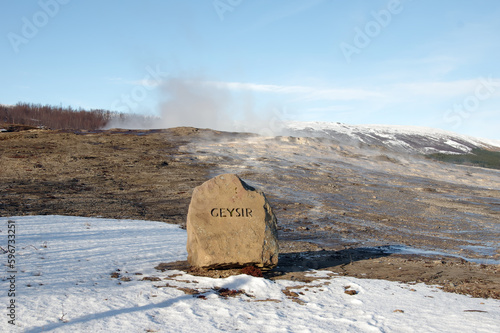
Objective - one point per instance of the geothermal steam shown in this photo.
(193, 101)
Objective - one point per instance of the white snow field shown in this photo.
(64, 284)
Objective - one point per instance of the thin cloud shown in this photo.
(334, 108)
(288, 9)
(145, 83)
(446, 88)
(292, 10)
(341, 95)
(114, 79)
(142, 82)
(305, 93)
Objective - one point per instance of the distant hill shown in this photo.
(410, 139)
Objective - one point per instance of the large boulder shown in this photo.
(230, 224)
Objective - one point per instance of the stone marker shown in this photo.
(230, 224)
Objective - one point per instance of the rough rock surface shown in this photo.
(230, 224)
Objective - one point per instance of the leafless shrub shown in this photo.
(55, 117)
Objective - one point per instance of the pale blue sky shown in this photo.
(421, 62)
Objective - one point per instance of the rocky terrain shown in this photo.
(355, 209)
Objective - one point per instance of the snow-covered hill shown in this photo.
(410, 139)
(75, 274)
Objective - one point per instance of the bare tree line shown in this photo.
(55, 117)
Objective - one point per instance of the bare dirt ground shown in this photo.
(340, 219)
(117, 174)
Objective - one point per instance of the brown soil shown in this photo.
(117, 174)
(144, 175)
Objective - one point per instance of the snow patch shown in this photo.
(87, 275)
(424, 139)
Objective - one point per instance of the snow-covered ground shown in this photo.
(64, 283)
(410, 139)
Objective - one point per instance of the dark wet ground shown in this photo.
(337, 197)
